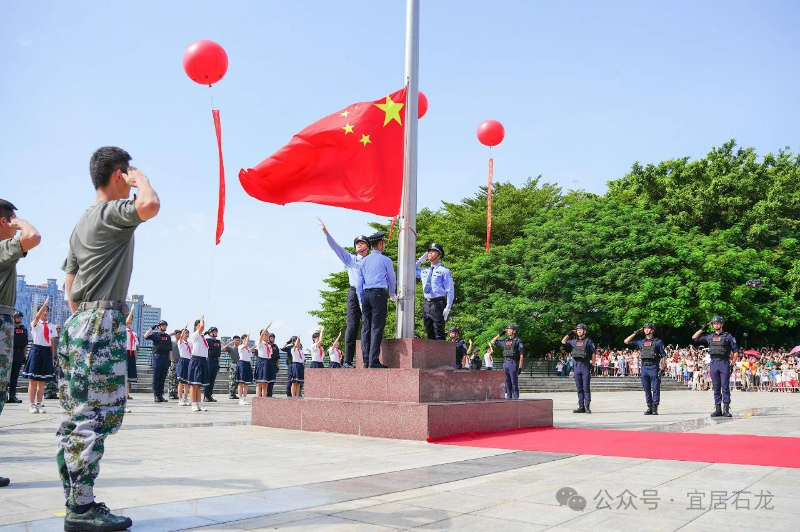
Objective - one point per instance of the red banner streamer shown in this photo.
(391, 229)
(221, 205)
(489, 206)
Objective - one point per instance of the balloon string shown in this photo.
(211, 93)
(210, 278)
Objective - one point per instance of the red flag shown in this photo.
(221, 204)
(352, 158)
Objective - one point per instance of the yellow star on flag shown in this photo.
(365, 140)
(392, 110)
(348, 128)
(344, 113)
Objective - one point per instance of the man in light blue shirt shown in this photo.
(438, 289)
(376, 281)
(352, 264)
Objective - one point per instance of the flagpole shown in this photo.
(407, 236)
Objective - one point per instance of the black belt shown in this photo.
(443, 298)
(353, 288)
(372, 289)
(726, 359)
(104, 305)
(164, 354)
(649, 363)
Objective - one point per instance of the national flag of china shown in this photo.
(352, 158)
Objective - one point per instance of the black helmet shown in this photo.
(649, 324)
(17, 314)
(271, 335)
(162, 322)
(361, 238)
(511, 326)
(454, 329)
(717, 319)
(581, 326)
(437, 247)
(212, 329)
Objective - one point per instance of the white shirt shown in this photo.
(298, 356)
(317, 354)
(199, 345)
(38, 333)
(184, 349)
(264, 350)
(131, 342)
(489, 361)
(244, 353)
(335, 355)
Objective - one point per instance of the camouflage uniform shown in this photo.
(92, 372)
(6, 353)
(50, 386)
(233, 384)
(172, 380)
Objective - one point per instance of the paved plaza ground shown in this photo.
(171, 469)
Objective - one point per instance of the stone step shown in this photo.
(427, 354)
(400, 420)
(404, 385)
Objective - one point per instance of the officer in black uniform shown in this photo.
(214, 352)
(162, 347)
(20, 351)
(723, 349)
(654, 356)
(275, 360)
(455, 335)
(583, 353)
(288, 350)
(513, 355)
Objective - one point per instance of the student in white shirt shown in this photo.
(39, 365)
(297, 372)
(185, 352)
(335, 354)
(131, 344)
(263, 375)
(198, 364)
(244, 370)
(317, 353)
(488, 360)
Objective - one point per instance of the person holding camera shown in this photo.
(513, 356)
(654, 359)
(583, 353)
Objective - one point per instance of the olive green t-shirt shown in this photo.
(101, 251)
(10, 253)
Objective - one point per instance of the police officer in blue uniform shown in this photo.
(376, 283)
(162, 347)
(654, 356)
(352, 263)
(18, 359)
(513, 356)
(461, 348)
(723, 350)
(214, 352)
(438, 289)
(583, 353)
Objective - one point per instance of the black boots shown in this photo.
(586, 407)
(717, 411)
(649, 411)
(726, 410)
(580, 409)
(655, 409)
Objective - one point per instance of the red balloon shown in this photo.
(422, 105)
(205, 62)
(491, 132)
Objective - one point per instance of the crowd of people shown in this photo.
(758, 370)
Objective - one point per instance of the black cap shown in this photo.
(511, 326)
(162, 322)
(17, 314)
(717, 319)
(454, 329)
(377, 237)
(581, 326)
(361, 238)
(649, 324)
(436, 247)
(212, 329)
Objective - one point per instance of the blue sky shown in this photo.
(584, 89)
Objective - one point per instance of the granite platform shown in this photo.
(420, 396)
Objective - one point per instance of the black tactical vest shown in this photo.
(164, 344)
(648, 351)
(20, 338)
(214, 348)
(579, 349)
(716, 347)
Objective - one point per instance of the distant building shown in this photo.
(144, 317)
(31, 297)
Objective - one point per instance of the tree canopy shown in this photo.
(673, 243)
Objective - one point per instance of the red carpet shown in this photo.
(686, 446)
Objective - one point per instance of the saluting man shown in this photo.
(214, 352)
(654, 357)
(352, 263)
(438, 289)
(723, 349)
(162, 348)
(376, 281)
(513, 355)
(583, 353)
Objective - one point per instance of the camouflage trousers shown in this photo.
(91, 384)
(51, 388)
(233, 384)
(6, 355)
(172, 380)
